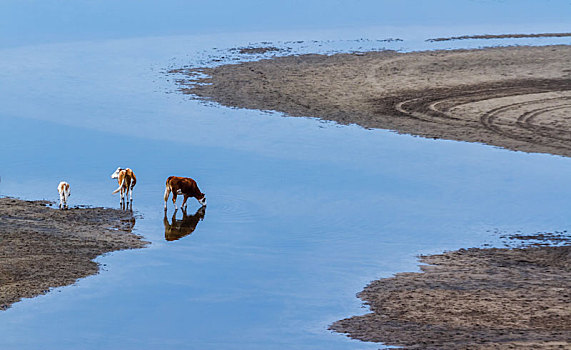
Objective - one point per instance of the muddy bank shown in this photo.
(472, 299)
(41, 247)
(515, 97)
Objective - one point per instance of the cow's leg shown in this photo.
(174, 199)
(184, 201)
(131, 194)
(127, 191)
(61, 200)
(166, 196)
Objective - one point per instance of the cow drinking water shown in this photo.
(184, 186)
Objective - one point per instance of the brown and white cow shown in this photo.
(184, 186)
(64, 193)
(127, 180)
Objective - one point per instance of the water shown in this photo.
(302, 213)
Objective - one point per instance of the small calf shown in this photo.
(184, 186)
(64, 193)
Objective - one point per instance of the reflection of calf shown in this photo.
(180, 228)
(64, 193)
(185, 186)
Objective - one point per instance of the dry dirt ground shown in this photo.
(42, 248)
(514, 97)
(472, 299)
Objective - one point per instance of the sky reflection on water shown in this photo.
(302, 213)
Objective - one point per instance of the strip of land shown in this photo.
(42, 248)
(502, 36)
(513, 97)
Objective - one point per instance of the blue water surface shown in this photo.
(302, 213)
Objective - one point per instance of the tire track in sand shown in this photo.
(516, 121)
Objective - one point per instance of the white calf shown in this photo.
(64, 193)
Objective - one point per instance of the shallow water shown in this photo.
(302, 214)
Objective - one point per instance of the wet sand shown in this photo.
(472, 299)
(514, 97)
(517, 98)
(42, 248)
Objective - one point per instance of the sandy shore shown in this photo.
(472, 299)
(514, 97)
(42, 248)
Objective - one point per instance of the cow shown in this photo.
(127, 180)
(184, 186)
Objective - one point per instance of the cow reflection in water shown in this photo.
(180, 228)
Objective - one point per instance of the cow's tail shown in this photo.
(167, 191)
(120, 186)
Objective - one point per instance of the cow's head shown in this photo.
(202, 199)
(115, 175)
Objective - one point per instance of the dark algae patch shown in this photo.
(257, 50)
(42, 247)
(496, 298)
